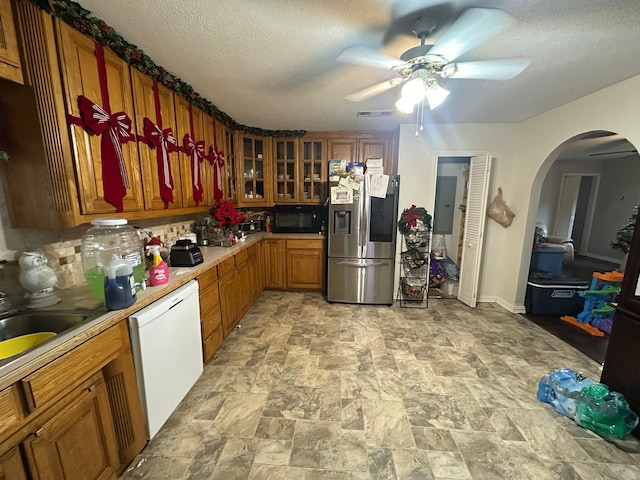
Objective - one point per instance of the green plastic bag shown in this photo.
(604, 412)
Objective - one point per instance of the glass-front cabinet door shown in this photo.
(230, 190)
(253, 164)
(285, 152)
(313, 170)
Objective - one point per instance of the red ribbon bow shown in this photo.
(411, 217)
(196, 151)
(99, 121)
(217, 160)
(164, 142)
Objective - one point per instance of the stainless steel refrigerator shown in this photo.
(361, 242)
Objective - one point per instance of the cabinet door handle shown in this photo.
(39, 432)
(91, 388)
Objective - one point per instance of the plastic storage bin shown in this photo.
(555, 296)
(106, 238)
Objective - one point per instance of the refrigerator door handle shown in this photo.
(356, 263)
(365, 201)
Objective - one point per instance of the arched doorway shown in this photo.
(587, 189)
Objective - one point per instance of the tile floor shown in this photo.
(308, 390)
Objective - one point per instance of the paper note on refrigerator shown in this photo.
(379, 183)
(341, 195)
(349, 182)
(374, 166)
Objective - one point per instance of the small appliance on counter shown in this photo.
(252, 226)
(185, 253)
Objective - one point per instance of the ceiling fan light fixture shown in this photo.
(435, 94)
(404, 106)
(413, 91)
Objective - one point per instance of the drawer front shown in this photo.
(208, 278)
(306, 244)
(241, 257)
(209, 298)
(10, 410)
(226, 266)
(211, 344)
(210, 320)
(70, 369)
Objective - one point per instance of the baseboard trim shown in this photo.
(511, 307)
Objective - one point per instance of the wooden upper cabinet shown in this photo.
(9, 54)
(375, 148)
(342, 149)
(313, 170)
(152, 165)
(184, 119)
(359, 146)
(80, 77)
(252, 156)
(285, 168)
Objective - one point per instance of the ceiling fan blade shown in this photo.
(374, 90)
(474, 27)
(490, 69)
(368, 57)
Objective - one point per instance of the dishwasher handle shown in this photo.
(176, 304)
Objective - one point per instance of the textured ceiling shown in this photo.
(272, 63)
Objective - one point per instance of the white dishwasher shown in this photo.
(167, 352)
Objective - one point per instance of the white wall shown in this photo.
(522, 153)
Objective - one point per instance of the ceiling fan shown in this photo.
(420, 67)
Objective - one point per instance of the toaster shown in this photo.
(185, 253)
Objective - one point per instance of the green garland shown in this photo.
(80, 18)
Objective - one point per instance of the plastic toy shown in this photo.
(597, 314)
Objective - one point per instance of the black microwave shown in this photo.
(299, 218)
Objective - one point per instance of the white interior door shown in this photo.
(475, 219)
(567, 201)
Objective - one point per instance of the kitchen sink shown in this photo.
(17, 323)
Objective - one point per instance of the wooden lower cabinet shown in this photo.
(210, 314)
(229, 305)
(79, 416)
(274, 263)
(79, 442)
(244, 289)
(305, 264)
(11, 466)
(294, 264)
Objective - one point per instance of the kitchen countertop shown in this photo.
(80, 299)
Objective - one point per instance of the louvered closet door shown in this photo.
(475, 219)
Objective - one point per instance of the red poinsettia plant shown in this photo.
(225, 214)
(414, 218)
